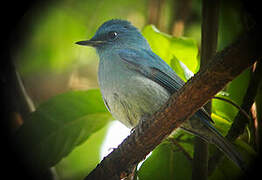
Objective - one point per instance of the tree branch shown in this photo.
(224, 67)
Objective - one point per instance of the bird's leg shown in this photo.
(130, 174)
(142, 121)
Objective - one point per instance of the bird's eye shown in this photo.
(112, 34)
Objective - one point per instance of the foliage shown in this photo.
(180, 53)
(166, 162)
(59, 125)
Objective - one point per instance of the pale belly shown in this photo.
(130, 96)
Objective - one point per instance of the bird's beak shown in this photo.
(89, 43)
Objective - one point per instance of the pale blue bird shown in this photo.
(135, 82)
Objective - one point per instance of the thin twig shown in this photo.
(234, 104)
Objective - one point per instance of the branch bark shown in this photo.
(224, 67)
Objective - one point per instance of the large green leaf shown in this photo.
(166, 162)
(227, 169)
(181, 69)
(60, 124)
(83, 159)
(235, 92)
(221, 124)
(173, 48)
(230, 26)
(231, 22)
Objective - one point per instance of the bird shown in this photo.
(135, 82)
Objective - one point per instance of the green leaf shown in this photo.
(180, 68)
(231, 23)
(165, 162)
(168, 47)
(83, 159)
(226, 168)
(235, 92)
(185, 139)
(221, 124)
(60, 124)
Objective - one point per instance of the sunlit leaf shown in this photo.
(181, 69)
(60, 124)
(230, 26)
(221, 124)
(168, 47)
(235, 92)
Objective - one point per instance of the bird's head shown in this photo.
(115, 34)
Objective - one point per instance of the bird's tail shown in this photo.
(209, 133)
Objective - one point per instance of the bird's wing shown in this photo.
(153, 67)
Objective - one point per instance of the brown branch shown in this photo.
(234, 104)
(225, 66)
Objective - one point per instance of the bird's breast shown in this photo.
(128, 94)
